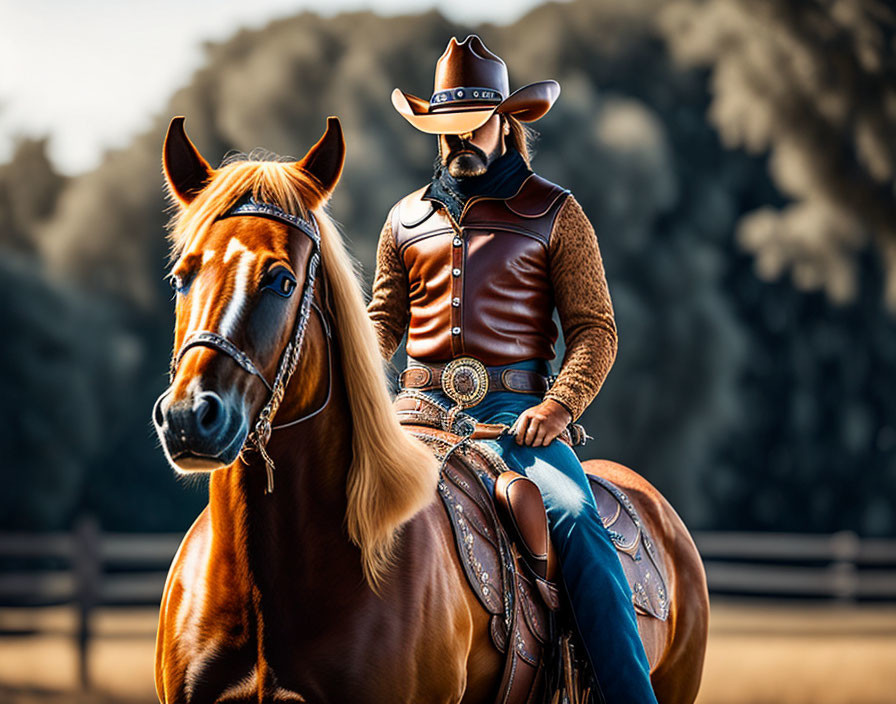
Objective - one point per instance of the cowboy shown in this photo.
(472, 267)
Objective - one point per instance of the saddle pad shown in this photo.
(636, 551)
(429, 420)
(481, 544)
(465, 487)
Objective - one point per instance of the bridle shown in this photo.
(261, 433)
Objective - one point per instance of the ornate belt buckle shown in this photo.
(465, 381)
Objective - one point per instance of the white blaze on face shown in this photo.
(194, 308)
(240, 284)
(234, 247)
(195, 317)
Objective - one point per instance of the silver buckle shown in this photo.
(465, 381)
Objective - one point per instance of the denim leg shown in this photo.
(598, 589)
(597, 586)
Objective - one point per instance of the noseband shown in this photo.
(259, 436)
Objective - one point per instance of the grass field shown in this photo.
(758, 654)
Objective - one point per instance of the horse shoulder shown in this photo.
(450, 625)
(193, 631)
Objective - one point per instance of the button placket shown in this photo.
(457, 281)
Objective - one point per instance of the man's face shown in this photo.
(470, 154)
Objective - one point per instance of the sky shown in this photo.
(91, 73)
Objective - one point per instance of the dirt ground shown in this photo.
(758, 654)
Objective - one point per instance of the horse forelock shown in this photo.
(236, 252)
(270, 179)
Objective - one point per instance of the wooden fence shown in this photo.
(89, 568)
(839, 565)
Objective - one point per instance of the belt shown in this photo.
(466, 380)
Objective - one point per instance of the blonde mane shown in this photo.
(392, 475)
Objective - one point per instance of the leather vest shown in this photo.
(480, 287)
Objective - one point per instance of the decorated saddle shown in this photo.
(501, 535)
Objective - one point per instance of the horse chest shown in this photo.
(321, 654)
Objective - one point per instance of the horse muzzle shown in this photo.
(200, 432)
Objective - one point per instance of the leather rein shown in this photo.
(261, 433)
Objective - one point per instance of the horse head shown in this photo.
(246, 249)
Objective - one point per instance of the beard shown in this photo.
(466, 164)
(465, 160)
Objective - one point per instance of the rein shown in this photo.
(260, 435)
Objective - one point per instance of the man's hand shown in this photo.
(540, 424)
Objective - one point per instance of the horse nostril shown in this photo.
(158, 416)
(209, 412)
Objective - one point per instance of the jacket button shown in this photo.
(455, 331)
(455, 302)
(457, 242)
(456, 272)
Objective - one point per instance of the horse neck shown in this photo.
(292, 540)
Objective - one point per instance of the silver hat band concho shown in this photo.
(465, 381)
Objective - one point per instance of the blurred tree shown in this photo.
(52, 411)
(814, 83)
(749, 404)
(816, 448)
(29, 187)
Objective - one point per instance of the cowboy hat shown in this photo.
(471, 85)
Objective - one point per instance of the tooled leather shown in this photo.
(536, 618)
(518, 625)
(416, 376)
(641, 563)
(503, 276)
(416, 408)
(634, 546)
(523, 677)
(521, 379)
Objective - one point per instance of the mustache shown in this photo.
(457, 146)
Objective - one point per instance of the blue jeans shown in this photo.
(595, 582)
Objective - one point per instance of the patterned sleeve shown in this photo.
(585, 310)
(389, 309)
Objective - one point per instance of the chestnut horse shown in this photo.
(323, 568)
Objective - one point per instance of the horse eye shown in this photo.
(177, 283)
(281, 282)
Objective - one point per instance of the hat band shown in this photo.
(465, 95)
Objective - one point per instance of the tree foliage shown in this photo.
(749, 404)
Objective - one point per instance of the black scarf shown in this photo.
(503, 179)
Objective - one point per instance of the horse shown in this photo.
(323, 568)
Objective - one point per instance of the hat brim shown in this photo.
(527, 104)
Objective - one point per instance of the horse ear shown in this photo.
(325, 159)
(186, 171)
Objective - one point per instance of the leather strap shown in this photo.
(417, 409)
(427, 377)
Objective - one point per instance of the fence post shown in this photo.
(845, 548)
(88, 569)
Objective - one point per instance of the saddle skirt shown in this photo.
(496, 568)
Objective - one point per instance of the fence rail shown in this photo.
(839, 565)
(89, 568)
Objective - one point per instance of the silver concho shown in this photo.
(465, 381)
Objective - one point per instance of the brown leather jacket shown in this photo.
(486, 286)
